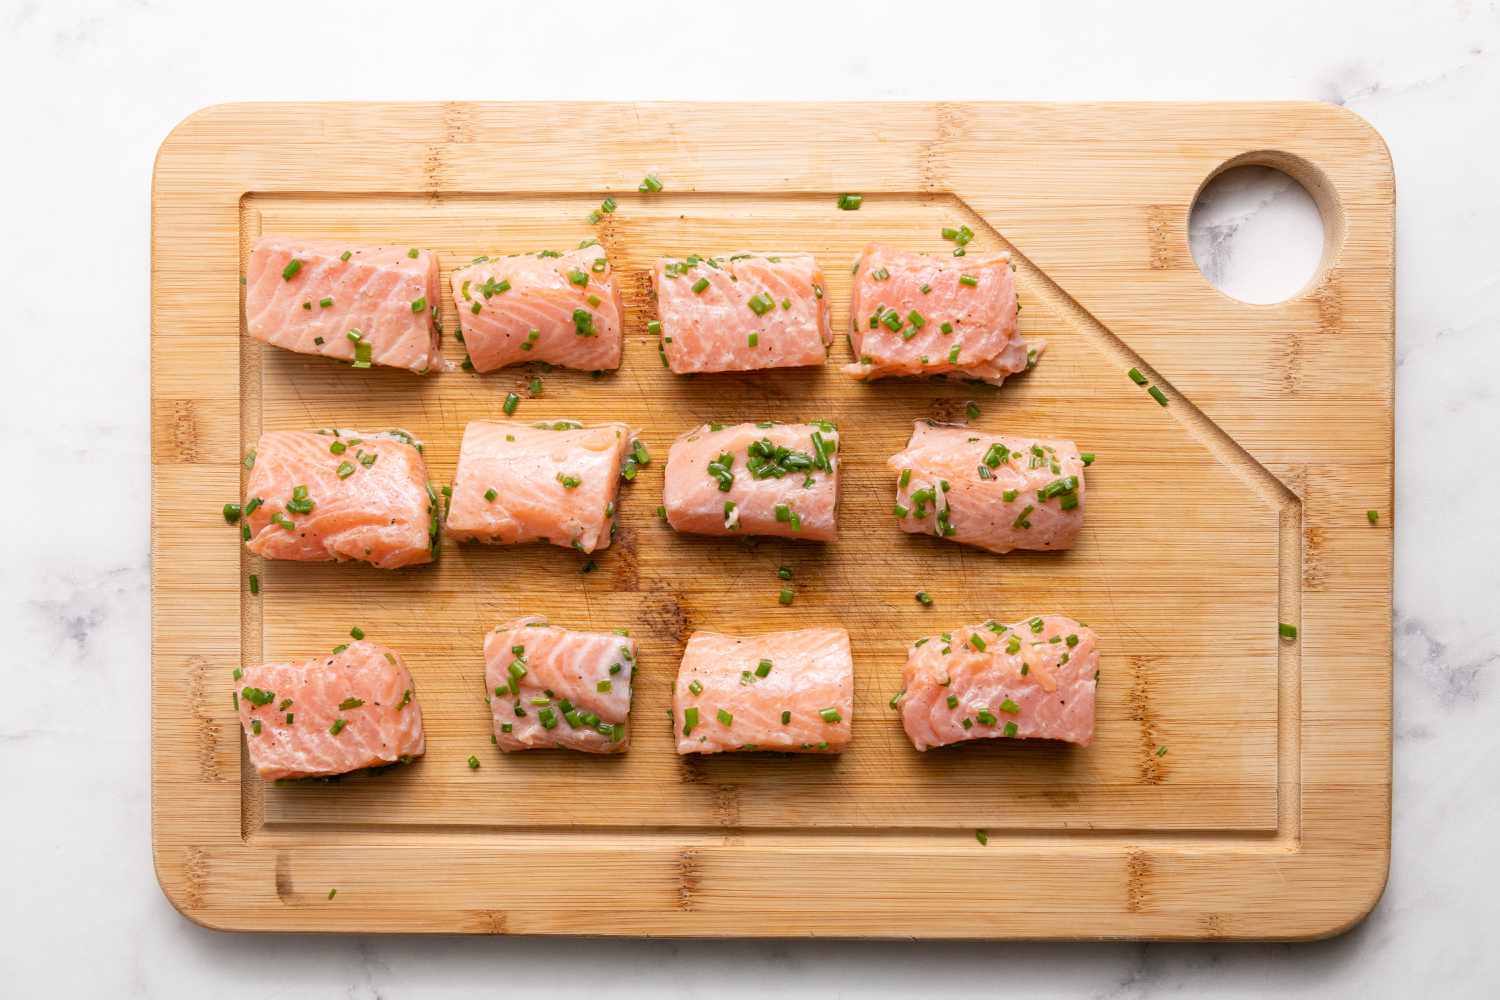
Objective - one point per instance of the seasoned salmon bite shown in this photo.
(559, 308)
(353, 709)
(993, 491)
(789, 691)
(912, 314)
(551, 482)
(1032, 680)
(554, 687)
(361, 304)
(755, 479)
(316, 496)
(742, 312)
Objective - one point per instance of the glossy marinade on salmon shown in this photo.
(789, 691)
(362, 304)
(912, 314)
(755, 479)
(995, 491)
(1031, 680)
(315, 496)
(552, 482)
(741, 312)
(556, 687)
(560, 308)
(352, 709)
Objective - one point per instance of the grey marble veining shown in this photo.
(93, 87)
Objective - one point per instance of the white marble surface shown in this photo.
(90, 90)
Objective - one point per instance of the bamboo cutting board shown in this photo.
(1239, 784)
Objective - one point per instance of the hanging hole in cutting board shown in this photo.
(1257, 234)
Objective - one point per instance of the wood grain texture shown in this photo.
(1240, 505)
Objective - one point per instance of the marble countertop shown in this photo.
(92, 88)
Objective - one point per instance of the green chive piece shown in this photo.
(784, 572)
(1087, 458)
(419, 304)
(695, 687)
(763, 668)
(725, 718)
(753, 339)
(986, 717)
(231, 513)
(1373, 516)
(1009, 707)
(568, 482)
(337, 727)
(971, 410)
(511, 402)
(652, 184)
(689, 720)
(982, 837)
(290, 271)
(254, 584)
(346, 255)
(547, 718)
(924, 598)
(490, 494)
(1287, 631)
(851, 202)
(578, 277)
(363, 354)
(357, 632)
(1158, 395)
(583, 322)
(1011, 729)
(786, 596)
(977, 642)
(968, 279)
(700, 285)
(412, 253)
(473, 762)
(830, 715)
(1161, 751)
(1136, 376)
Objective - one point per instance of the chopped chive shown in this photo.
(1087, 458)
(473, 762)
(568, 482)
(753, 339)
(412, 253)
(924, 598)
(695, 687)
(952, 701)
(946, 327)
(1136, 376)
(511, 402)
(763, 668)
(830, 715)
(725, 718)
(1011, 729)
(953, 354)
(363, 354)
(534, 386)
(419, 304)
(337, 727)
(652, 184)
(346, 255)
(968, 279)
(784, 572)
(231, 513)
(786, 596)
(1022, 519)
(851, 202)
(1373, 516)
(653, 326)
(1286, 631)
(357, 632)
(608, 204)
(986, 717)
(583, 323)
(1009, 707)
(700, 285)
(548, 718)
(290, 271)
(490, 494)
(1158, 395)
(578, 277)
(977, 642)
(971, 410)
(982, 837)
(689, 720)
(254, 584)
(916, 319)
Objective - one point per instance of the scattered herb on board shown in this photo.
(851, 202)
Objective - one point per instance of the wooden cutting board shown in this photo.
(1239, 785)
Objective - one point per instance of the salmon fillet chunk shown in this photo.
(554, 687)
(316, 496)
(755, 479)
(912, 314)
(365, 305)
(561, 308)
(742, 312)
(790, 691)
(994, 491)
(330, 715)
(1031, 680)
(550, 482)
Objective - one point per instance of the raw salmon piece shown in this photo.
(1032, 680)
(742, 312)
(312, 296)
(991, 490)
(331, 714)
(551, 482)
(563, 309)
(313, 496)
(791, 691)
(755, 479)
(964, 323)
(554, 687)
